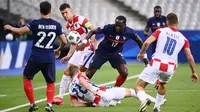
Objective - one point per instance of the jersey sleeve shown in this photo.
(156, 34)
(148, 23)
(103, 29)
(186, 44)
(134, 35)
(31, 24)
(83, 21)
(59, 30)
(82, 75)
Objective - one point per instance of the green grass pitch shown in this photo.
(183, 95)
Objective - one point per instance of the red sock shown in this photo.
(50, 92)
(119, 81)
(29, 90)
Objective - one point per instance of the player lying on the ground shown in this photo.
(81, 88)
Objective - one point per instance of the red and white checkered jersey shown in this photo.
(78, 24)
(78, 91)
(169, 43)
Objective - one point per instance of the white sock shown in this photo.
(159, 99)
(151, 98)
(133, 93)
(141, 96)
(63, 85)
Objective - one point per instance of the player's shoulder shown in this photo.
(108, 26)
(151, 18)
(129, 29)
(163, 17)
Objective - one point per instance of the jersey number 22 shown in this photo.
(43, 35)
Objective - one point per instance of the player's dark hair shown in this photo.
(120, 19)
(45, 7)
(64, 6)
(172, 19)
(157, 7)
(73, 70)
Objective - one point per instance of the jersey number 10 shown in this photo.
(170, 46)
(44, 35)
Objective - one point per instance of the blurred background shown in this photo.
(15, 49)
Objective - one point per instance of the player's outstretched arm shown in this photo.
(63, 42)
(92, 32)
(69, 54)
(20, 31)
(192, 64)
(145, 46)
(146, 31)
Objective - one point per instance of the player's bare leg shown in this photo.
(160, 96)
(63, 86)
(28, 89)
(142, 96)
(90, 72)
(123, 73)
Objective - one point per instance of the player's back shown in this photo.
(44, 33)
(77, 90)
(169, 43)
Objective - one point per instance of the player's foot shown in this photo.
(156, 110)
(163, 102)
(144, 105)
(58, 101)
(49, 108)
(33, 107)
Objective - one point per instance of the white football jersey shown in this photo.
(169, 43)
(78, 91)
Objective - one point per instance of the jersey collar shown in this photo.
(173, 29)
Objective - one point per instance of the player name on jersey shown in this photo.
(49, 27)
(173, 35)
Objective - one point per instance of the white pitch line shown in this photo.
(2, 95)
(38, 101)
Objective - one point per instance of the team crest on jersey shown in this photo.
(117, 37)
(124, 37)
(158, 24)
(163, 23)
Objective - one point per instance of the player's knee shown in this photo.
(124, 74)
(90, 72)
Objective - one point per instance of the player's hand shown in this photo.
(194, 77)
(7, 27)
(95, 92)
(80, 46)
(64, 59)
(57, 53)
(146, 61)
(140, 57)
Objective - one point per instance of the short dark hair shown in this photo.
(64, 6)
(73, 69)
(45, 7)
(172, 19)
(120, 19)
(157, 7)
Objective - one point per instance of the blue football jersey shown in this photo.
(113, 41)
(155, 24)
(44, 33)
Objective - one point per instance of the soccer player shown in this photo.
(82, 90)
(42, 58)
(111, 47)
(164, 62)
(80, 57)
(154, 23)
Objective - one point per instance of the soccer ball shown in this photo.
(73, 37)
